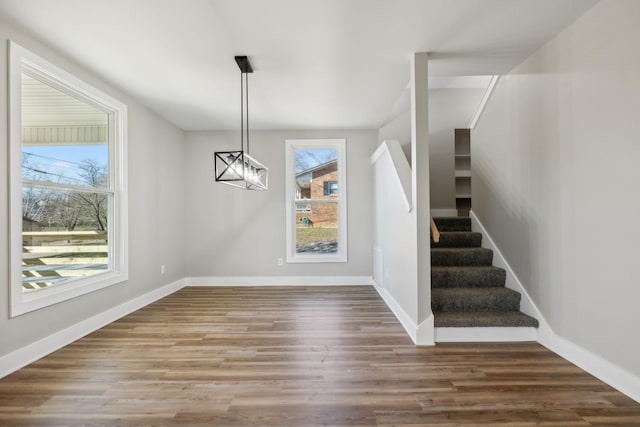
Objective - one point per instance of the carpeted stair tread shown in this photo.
(461, 256)
(466, 289)
(467, 277)
(454, 319)
(474, 299)
(458, 239)
(453, 223)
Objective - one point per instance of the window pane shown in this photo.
(64, 139)
(312, 168)
(64, 236)
(317, 230)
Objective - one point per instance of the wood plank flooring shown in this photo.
(297, 356)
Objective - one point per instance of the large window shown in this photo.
(316, 200)
(68, 192)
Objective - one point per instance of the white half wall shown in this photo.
(395, 234)
(555, 182)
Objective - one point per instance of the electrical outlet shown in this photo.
(279, 261)
(162, 269)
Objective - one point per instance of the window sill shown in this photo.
(31, 301)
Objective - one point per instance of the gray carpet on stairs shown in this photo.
(474, 299)
(467, 291)
(453, 319)
(461, 256)
(453, 223)
(484, 276)
(458, 239)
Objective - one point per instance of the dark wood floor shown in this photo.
(297, 357)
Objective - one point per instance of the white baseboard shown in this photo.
(280, 281)
(510, 334)
(425, 332)
(444, 212)
(378, 265)
(30, 353)
(617, 377)
(420, 334)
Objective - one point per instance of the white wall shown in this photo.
(238, 233)
(449, 108)
(155, 211)
(395, 232)
(398, 129)
(555, 180)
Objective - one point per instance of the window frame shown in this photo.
(291, 201)
(22, 59)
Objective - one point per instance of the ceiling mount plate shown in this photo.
(243, 63)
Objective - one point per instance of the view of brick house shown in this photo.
(318, 183)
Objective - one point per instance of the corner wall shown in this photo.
(155, 151)
(555, 180)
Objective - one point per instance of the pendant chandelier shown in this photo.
(238, 168)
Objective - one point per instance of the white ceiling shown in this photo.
(318, 64)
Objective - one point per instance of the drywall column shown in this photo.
(420, 192)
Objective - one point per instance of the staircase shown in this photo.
(466, 290)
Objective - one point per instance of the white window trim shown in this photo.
(290, 199)
(21, 302)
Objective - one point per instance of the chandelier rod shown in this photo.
(241, 113)
(246, 83)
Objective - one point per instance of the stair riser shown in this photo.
(461, 258)
(468, 279)
(483, 303)
(458, 240)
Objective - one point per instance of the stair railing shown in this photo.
(435, 233)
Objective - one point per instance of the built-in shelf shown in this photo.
(462, 155)
(463, 163)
